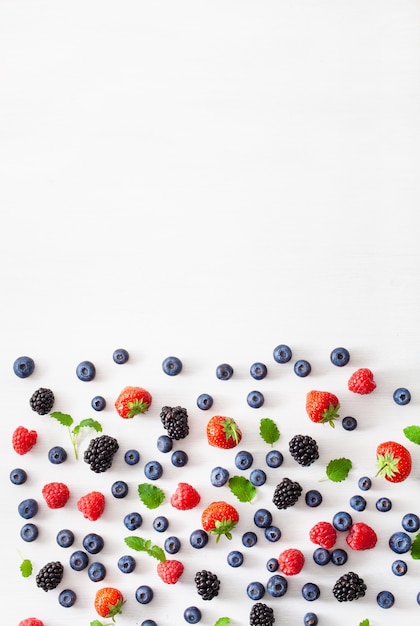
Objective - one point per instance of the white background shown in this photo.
(209, 179)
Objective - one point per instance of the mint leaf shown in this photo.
(63, 418)
(222, 621)
(26, 568)
(269, 431)
(365, 622)
(242, 488)
(90, 423)
(415, 548)
(412, 433)
(143, 545)
(96, 622)
(338, 469)
(150, 495)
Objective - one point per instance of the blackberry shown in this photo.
(261, 615)
(303, 449)
(286, 493)
(50, 575)
(100, 452)
(42, 401)
(349, 587)
(207, 584)
(175, 421)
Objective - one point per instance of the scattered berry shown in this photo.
(223, 432)
(358, 503)
(262, 518)
(192, 615)
(120, 356)
(28, 508)
(272, 564)
(199, 538)
(18, 476)
(224, 371)
(179, 458)
(170, 571)
(286, 493)
(383, 504)
(119, 489)
(399, 567)
(258, 371)
(67, 598)
(126, 564)
(323, 534)
(65, 538)
(144, 594)
(349, 423)
(219, 476)
(311, 592)
(393, 461)
(92, 505)
(339, 556)
(98, 403)
(100, 453)
(93, 543)
(291, 561)
(86, 371)
(322, 407)
(302, 368)
(235, 558)
(364, 483)
(160, 523)
(133, 521)
(207, 584)
(349, 587)
(50, 576)
(303, 449)
(361, 381)
(204, 401)
(79, 560)
(42, 401)
(282, 353)
(24, 366)
(313, 498)
(23, 440)
(172, 545)
(249, 539)
(361, 537)
(164, 444)
(340, 357)
(255, 399)
(56, 495)
(108, 602)
(385, 599)
(272, 533)
(132, 401)
(400, 542)
(153, 470)
(219, 518)
(411, 522)
(255, 590)
(310, 619)
(185, 497)
(132, 457)
(243, 460)
(261, 615)
(31, 621)
(258, 477)
(401, 396)
(172, 365)
(175, 421)
(342, 521)
(29, 532)
(274, 458)
(57, 455)
(321, 556)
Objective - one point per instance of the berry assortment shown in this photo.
(225, 525)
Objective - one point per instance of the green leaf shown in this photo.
(63, 418)
(157, 553)
(269, 431)
(365, 622)
(222, 621)
(338, 469)
(96, 622)
(26, 568)
(242, 488)
(412, 433)
(150, 495)
(143, 545)
(415, 547)
(136, 543)
(91, 423)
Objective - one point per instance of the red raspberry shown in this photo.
(55, 495)
(23, 439)
(361, 537)
(170, 571)
(291, 561)
(185, 497)
(31, 621)
(361, 381)
(323, 534)
(92, 505)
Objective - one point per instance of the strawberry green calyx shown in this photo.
(136, 407)
(223, 527)
(330, 414)
(387, 465)
(230, 429)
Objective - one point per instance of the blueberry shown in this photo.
(402, 396)
(164, 444)
(29, 532)
(144, 594)
(153, 470)
(18, 476)
(274, 458)
(255, 399)
(383, 504)
(262, 518)
(160, 523)
(119, 489)
(24, 366)
(411, 522)
(255, 590)
(364, 483)
(313, 498)
(339, 556)
(340, 357)
(172, 545)
(349, 423)
(235, 558)
(120, 356)
(96, 571)
(78, 560)
(172, 365)
(272, 564)
(257, 477)
(358, 503)
(67, 598)
(93, 543)
(311, 592)
(204, 401)
(224, 371)
(132, 457)
(28, 508)
(86, 371)
(126, 564)
(179, 458)
(272, 533)
(148, 622)
(98, 403)
(133, 520)
(342, 521)
(57, 455)
(65, 538)
(321, 556)
(192, 614)
(219, 476)
(399, 568)
(249, 539)
(243, 459)
(400, 542)
(199, 538)
(282, 353)
(385, 599)
(310, 619)
(302, 368)
(418, 598)
(258, 371)
(276, 586)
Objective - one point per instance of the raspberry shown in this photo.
(55, 495)
(185, 497)
(361, 537)
(291, 561)
(323, 534)
(23, 439)
(31, 621)
(170, 571)
(361, 381)
(92, 505)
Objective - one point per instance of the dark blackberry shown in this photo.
(42, 401)
(175, 421)
(303, 449)
(50, 575)
(261, 615)
(207, 584)
(349, 587)
(286, 493)
(100, 452)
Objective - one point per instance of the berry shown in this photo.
(322, 407)
(313, 498)
(321, 556)
(175, 421)
(50, 576)
(411, 522)
(164, 444)
(291, 561)
(272, 564)
(393, 461)
(243, 460)
(108, 602)
(258, 477)
(223, 432)
(401, 396)
(204, 401)
(262, 518)
(153, 470)
(349, 587)
(170, 571)
(96, 571)
(92, 505)
(172, 365)
(148, 622)
(249, 539)
(86, 371)
(207, 584)
(93, 543)
(219, 476)
(179, 458)
(24, 366)
(120, 356)
(255, 399)
(310, 619)
(261, 615)
(172, 545)
(274, 458)
(18, 476)
(23, 440)
(132, 401)
(224, 371)
(100, 453)
(383, 504)
(42, 401)
(302, 368)
(255, 590)
(67, 598)
(29, 532)
(28, 508)
(78, 560)
(126, 564)
(198, 538)
(31, 621)
(364, 483)
(349, 423)
(282, 353)
(235, 558)
(132, 521)
(272, 533)
(311, 592)
(358, 503)
(56, 495)
(57, 455)
(304, 449)
(385, 599)
(98, 403)
(286, 493)
(400, 542)
(119, 489)
(65, 538)
(277, 586)
(361, 381)
(258, 371)
(361, 537)
(185, 497)
(323, 534)
(339, 556)
(192, 614)
(342, 521)
(160, 523)
(144, 594)
(340, 357)
(219, 518)
(132, 457)
(399, 567)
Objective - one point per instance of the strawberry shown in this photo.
(223, 432)
(56, 495)
(185, 497)
(322, 407)
(132, 401)
(323, 534)
(361, 537)
(291, 561)
(31, 621)
(170, 571)
(361, 381)
(108, 602)
(23, 439)
(219, 518)
(393, 461)
(92, 505)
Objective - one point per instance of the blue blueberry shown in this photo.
(78, 560)
(339, 556)
(235, 558)
(311, 592)
(385, 599)
(282, 353)
(172, 366)
(133, 520)
(272, 564)
(96, 571)
(302, 368)
(65, 538)
(340, 357)
(358, 503)
(224, 371)
(418, 598)
(120, 356)
(57, 455)
(219, 476)
(263, 518)
(126, 564)
(272, 533)
(321, 556)
(144, 594)
(402, 396)
(199, 538)
(18, 476)
(160, 523)
(86, 371)
(172, 545)
(255, 399)
(132, 457)
(153, 470)
(98, 403)
(149, 622)
(364, 483)
(257, 477)
(243, 459)
(411, 522)
(119, 489)
(179, 458)
(204, 401)
(164, 444)
(249, 539)
(28, 508)
(93, 543)
(24, 366)
(399, 567)
(383, 504)
(29, 532)
(313, 498)
(274, 458)
(342, 521)
(310, 619)
(67, 598)
(192, 615)
(276, 586)
(400, 542)
(255, 590)
(349, 423)
(258, 371)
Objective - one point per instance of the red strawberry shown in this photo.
(185, 497)
(170, 571)
(132, 401)
(223, 432)
(23, 439)
(361, 537)
(108, 602)
(393, 461)
(219, 518)
(291, 561)
(361, 381)
(322, 407)
(92, 505)
(56, 495)
(323, 534)
(31, 621)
